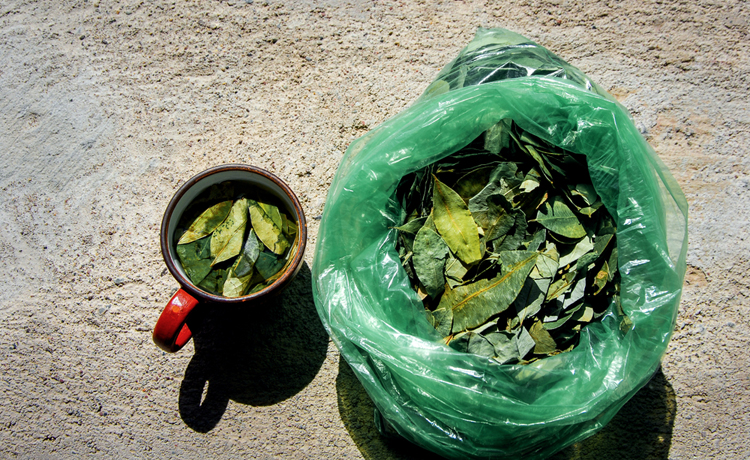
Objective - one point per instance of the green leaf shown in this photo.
(454, 271)
(430, 252)
(557, 217)
(601, 278)
(413, 226)
(585, 191)
(497, 137)
(266, 229)
(547, 264)
(503, 180)
(560, 322)
(235, 285)
(505, 346)
(289, 228)
(250, 252)
(268, 264)
(525, 343)
(273, 213)
(500, 217)
(207, 222)
(581, 248)
(226, 240)
(443, 320)
(479, 345)
(214, 281)
(545, 344)
(195, 259)
(473, 304)
(473, 182)
(455, 224)
(529, 301)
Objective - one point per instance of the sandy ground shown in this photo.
(107, 107)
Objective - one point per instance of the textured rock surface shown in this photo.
(107, 107)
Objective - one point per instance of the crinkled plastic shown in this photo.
(462, 405)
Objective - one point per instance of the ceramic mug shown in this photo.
(171, 332)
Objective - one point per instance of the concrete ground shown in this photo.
(107, 107)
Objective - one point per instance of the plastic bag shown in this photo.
(462, 405)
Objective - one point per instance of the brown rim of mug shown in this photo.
(294, 265)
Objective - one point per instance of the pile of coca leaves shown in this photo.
(235, 244)
(509, 246)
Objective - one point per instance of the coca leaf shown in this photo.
(430, 252)
(473, 304)
(454, 271)
(268, 264)
(583, 247)
(266, 229)
(557, 217)
(235, 285)
(545, 344)
(529, 301)
(455, 223)
(473, 182)
(413, 226)
(195, 259)
(207, 222)
(497, 137)
(500, 217)
(273, 213)
(250, 252)
(503, 180)
(226, 240)
(601, 278)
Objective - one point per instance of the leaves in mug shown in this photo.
(230, 259)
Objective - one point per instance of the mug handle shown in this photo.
(171, 333)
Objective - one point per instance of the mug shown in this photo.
(171, 332)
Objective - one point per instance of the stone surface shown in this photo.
(107, 107)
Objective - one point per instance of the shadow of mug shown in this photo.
(641, 430)
(256, 356)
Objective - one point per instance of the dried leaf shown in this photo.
(266, 229)
(454, 271)
(226, 240)
(235, 285)
(455, 224)
(545, 344)
(582, 248)
(557, 217)
(503, 180)
(250, 252)
(473, 304)
(268, 264)
(473, 182)
(529, 300)
(497, 137)
(195, 259)
(430, 252)
(273, 213)
(207, 222)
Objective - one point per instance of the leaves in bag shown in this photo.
(510, 262)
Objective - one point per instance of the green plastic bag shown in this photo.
(462, 405)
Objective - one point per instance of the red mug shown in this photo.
(171, 332)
